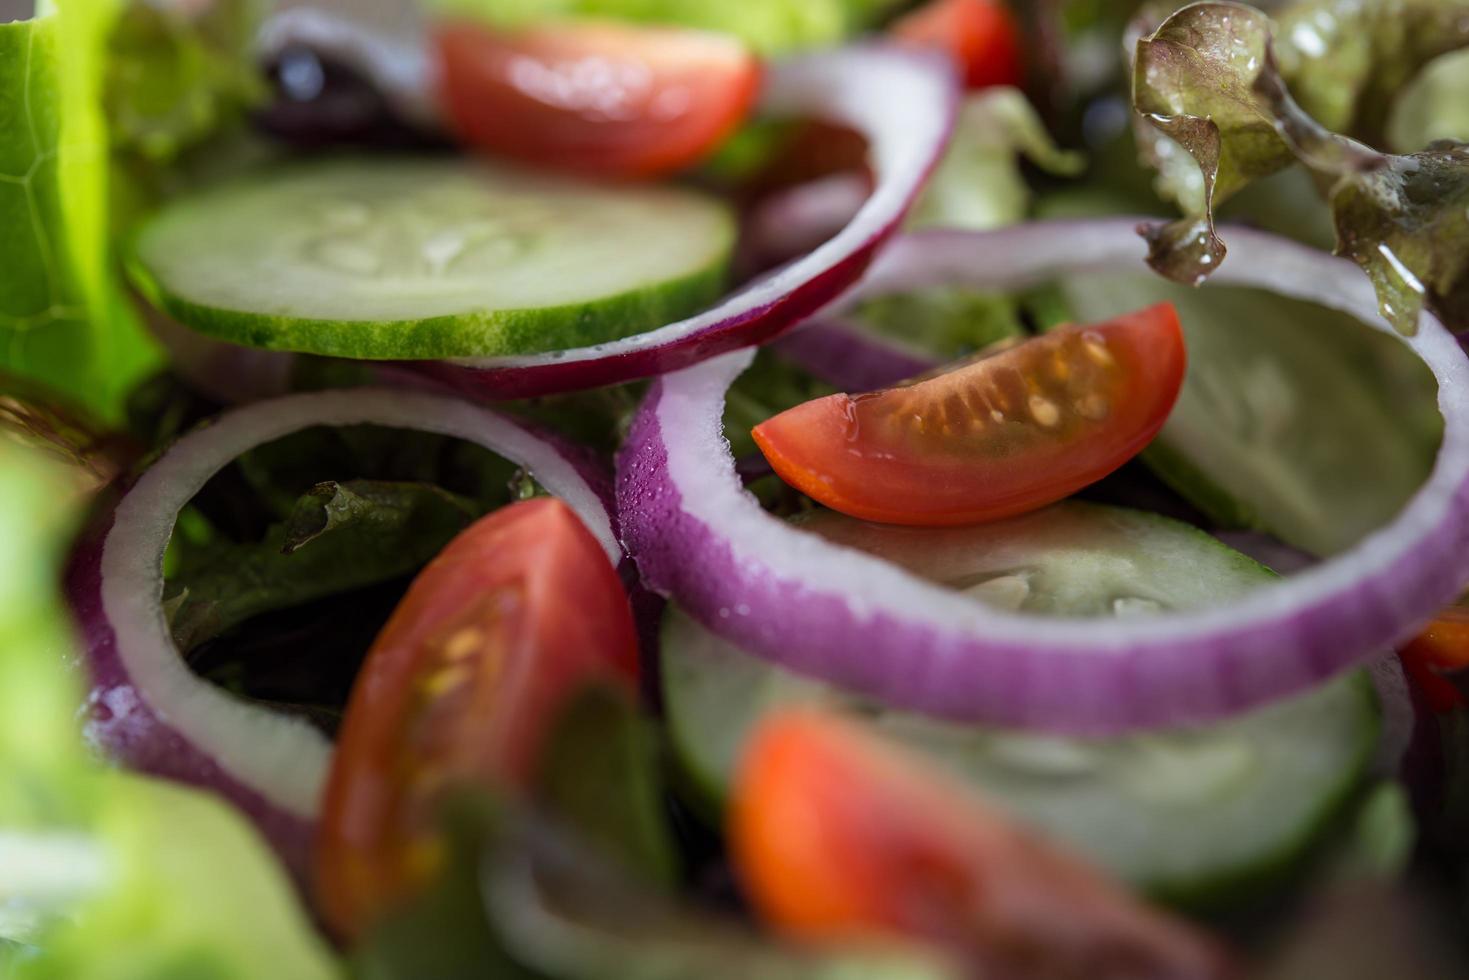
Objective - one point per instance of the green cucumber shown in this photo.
(1293, 419)
(1194, 816)
(426, 258)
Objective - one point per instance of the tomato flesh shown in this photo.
(599, 97)
(981, 37)
(839, 837)
(994, 437)
(514, 616)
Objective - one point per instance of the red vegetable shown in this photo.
(517, 613)
(601, 97)
(838, 837)
(981, 36)
(992, 437)
(1442, 646)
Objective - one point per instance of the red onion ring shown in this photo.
(903, 102)
(854, 620)
(849, 356)
(147, 709)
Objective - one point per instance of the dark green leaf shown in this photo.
(445, 933)
(600, 774)
(769, 387)
(576, 917)
(945, 323)
(338, 537)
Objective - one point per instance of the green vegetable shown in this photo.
(575, 917)
(339, 537)
(1201, 815)
(177, 74)
(978, 183)
(62, 318)
(108, 875)
(1294, 419)
(1207, 80)
(769, 387)
(768, 26)
(1432, 107)
(600, 774)
(429, 257)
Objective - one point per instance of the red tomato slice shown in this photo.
(516, 614)
(839, 837)
(1442, 646)
(992, 437)
(981, 36)
(598, 97)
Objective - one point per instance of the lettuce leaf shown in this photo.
(1208, 80)
(104, 874)
(62, 317)
(338, 537)
(768, 26)
(177, 74)
(978, 183)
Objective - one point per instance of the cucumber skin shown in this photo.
(485, 334)
(1211, 894)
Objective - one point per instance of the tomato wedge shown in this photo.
(1442, 646)
(981, 37)
(993, 437)
(838, 836)
(600, 97)
(514, 616)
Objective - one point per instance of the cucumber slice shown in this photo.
(1194, 815)
(1293, 419)
(430, 258)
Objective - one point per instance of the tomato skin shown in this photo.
(981, 37)
(514, 616)
(839, 837)
(993, 437)
(1442, 646)
(601, 98)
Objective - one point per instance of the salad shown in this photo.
(743, 488)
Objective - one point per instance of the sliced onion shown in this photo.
(147, 709)
(854, 620)
(796, 219)
(902, 102)
(848, 356)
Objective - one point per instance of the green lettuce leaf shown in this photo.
(1432, 107)
(62, 317)
(768, 26)
(1347, 62)
(600, 774)
(1207, 80)
(104, 874)
(176, 74)
(521, 897)
(978, 184)
(575, 917)
(338, 537)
